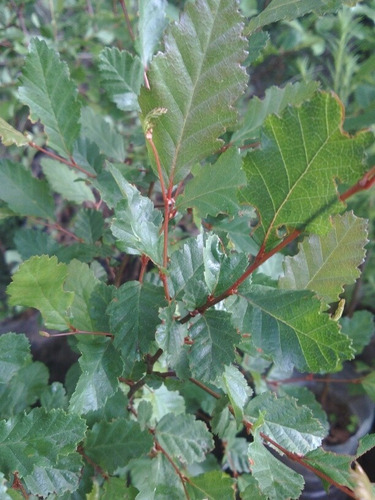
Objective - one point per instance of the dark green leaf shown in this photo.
(324, 264)
(275, 479)
(31, 242)
(134, 317)
(23, 193)
(87, 155)
(214, 187)
(359, 328)
(39, 283)
(194, 82)
(331, 464)
(89, 225)
(291, 178)
(38, 439)
(290, 327)
(51, 96)
(121, 76)
(211, 486)
(184, 438)
(365, 444)
(100, 299)
(257, 42)
(113, 444)
(54, 396)
(101, 366)
(213, 339)
(293, 427)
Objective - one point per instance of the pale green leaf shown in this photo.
(291, 178)
(10, 135)
(275, 100)
(137, 224)
(101, 132)
(156, 479)
(115, 488)
(211, 486)
(61, 478)
(134, 317)
(359, 328)
(235, 454)
(121, 75)
(67, 182)
(324, 264)
(276, 480)
(335, 466)
(237, 388)
(278, 10)
(195, 82)
(213, 189)
(81, 281)
(184, 438)
(368, 383)
(39, 283)
(221, 270)
(290, 327)
(186, 279)
(213, 339)
(38, 439)
(163, 402)
(51, 96)
(170, 335)
(292, 426)
(113, 444)
(23, 193)
(101, 366)
(151, 24)
(249, 488)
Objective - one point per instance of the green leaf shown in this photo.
(10, 135)
(21, 380)
(276, 480)
(115, 488)
(186, 274)
(65, 181)
(137, 224)
(100, 299)
(211, 486)
(290, 327)
(213, 189)
(163, 402)
(89, 225)
(81, 281)
(61, 478)
(113, 444)
(276, 99)
(366, 443)
(368, 383)
(170, 335)
(336, 466)
(87, 155)
(54, 396)
(156, 479)
(291, 178)
(101, 132)
(288, 424)
(121, 75)
(257, 42)
(151, 24)
(324, 264)
(184, 438)
(220, 270)
(101, 366)
(134, 317)
(23, 193)
(237, 388)
(359, 328)
(196, 81)
(38, 439)
(31, 242)
(51, 96)
(278, 10)
(213, 339)
(39, 283)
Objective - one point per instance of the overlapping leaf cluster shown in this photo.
(186, 337)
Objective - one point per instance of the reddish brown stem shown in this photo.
(17, 485)
(366, 182)
(183, 479)
(60, 229)
(70, 163)
(75, 332)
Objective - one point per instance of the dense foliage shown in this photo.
(193, 233)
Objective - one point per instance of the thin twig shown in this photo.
(127, 19)
(183, 479)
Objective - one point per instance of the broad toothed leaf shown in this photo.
(290, 327)
(214, 187)
(152, 21)
(39, 283)
(170, 335)
(122, 76)
(51, 96)
(235, 385)
(184, 437)
(195, 82)
(211, 486)
(326, 263)
(213, 339)
(292, 177)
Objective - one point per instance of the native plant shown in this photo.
(205, 205)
